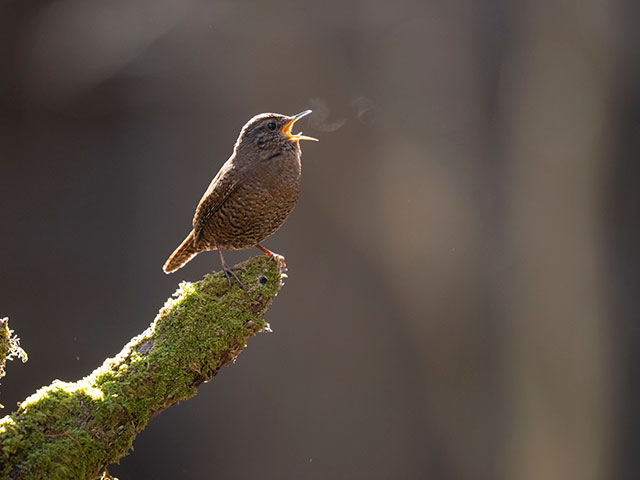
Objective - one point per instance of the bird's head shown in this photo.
(271, 133)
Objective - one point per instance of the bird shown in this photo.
(251, 196)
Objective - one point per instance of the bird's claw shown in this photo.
(274, 256)
(229, 272)
(280, 259)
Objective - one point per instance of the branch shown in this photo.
(75, 430)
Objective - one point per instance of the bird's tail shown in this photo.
(182, 254)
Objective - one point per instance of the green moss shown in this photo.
(74, 430)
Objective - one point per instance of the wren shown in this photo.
(251, 196)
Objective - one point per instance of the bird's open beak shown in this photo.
(287, 128)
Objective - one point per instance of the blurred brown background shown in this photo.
(462, 300)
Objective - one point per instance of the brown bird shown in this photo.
(251, 196)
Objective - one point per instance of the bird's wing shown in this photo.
(228, 179)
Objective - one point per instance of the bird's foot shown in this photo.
(274, 256)
(229, 272)
(280, 259)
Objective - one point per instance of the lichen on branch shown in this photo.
(9, 346)
(75, 430)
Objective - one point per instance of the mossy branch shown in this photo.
(75, 430)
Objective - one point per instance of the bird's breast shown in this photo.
(260, 205)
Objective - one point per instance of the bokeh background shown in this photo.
(462, 299)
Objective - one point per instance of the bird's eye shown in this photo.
(271, 126)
